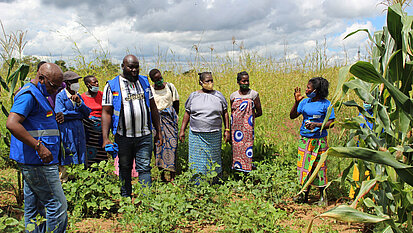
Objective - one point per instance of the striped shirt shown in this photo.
(134, 114)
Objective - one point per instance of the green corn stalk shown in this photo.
(385, 150)
(9, 84)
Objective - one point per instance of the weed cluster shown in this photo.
(92, 192)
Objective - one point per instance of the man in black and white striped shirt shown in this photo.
(130, 110)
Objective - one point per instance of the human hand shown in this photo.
(182, 136)
(105, 142)
(44, 153)
(297, 94)
(227, 136)
(76, 99)
(158, 139)
(311, 125)
(60, 118)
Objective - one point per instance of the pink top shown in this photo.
(94, 103)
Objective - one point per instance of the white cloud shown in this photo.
(149, 27)
(352, 8)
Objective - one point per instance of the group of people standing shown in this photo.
(139, 114)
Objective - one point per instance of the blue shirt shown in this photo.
(25, 104)
(314, 112)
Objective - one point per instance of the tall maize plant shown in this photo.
(383, 153)
(9, 85)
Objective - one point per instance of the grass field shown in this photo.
(261, 202)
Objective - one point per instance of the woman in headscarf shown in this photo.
(167, 100)
(206, 110)
(313, 140)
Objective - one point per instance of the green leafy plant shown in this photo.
(10, 224)
(385, 150)
(92, 192)
(9, 84)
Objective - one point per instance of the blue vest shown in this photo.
(42, 126)
(117, 99)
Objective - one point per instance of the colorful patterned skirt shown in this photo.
(242, 131)
(93, 131)
(309, 153)
(165, 155)
(204, 151)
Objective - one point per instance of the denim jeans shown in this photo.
(140, 149)
(43, 195)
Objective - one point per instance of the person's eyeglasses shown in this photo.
(54, 86)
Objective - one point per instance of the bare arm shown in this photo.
(156, 122)
(175, 105)
(185, 122)
(227, 134)
(293, 113)
(258, 109)
(14, 125)
(107, 112)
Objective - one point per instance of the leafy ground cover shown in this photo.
(259, 202)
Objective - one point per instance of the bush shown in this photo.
(92, 192)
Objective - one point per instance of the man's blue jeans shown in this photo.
(43, 195)
(140, 149)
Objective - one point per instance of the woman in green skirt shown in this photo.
(313, 140)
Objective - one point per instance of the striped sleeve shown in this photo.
(107, 97)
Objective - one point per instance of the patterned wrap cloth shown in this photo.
(166, 153)
(93, 130)
(204, 151)
(309, 153)
(242, 131)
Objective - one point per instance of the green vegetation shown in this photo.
(256, 202)
(385, 150)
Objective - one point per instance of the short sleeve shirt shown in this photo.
(314, 112)
(134, 114)
(94, 103)
(250, 95)
(165, 97)
(206, 111)
(24, 105)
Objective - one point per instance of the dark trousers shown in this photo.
(140, 150)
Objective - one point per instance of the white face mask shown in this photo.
(94, 89)
(75, 87)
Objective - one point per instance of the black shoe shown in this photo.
(300, 199)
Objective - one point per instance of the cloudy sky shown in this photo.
(173, 27)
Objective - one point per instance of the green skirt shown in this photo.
(309, 153)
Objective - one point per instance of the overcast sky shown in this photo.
(145, 27)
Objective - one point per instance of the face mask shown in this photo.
(43, 89)
(244, 86)
(367, 106)
(312, 95)
(94, 88)
(75, 87)
(159, 83)
(208, 86)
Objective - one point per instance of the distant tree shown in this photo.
(31, 61)
(109, 65)
(62, 65)
(190, 72)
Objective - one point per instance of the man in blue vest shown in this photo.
(129, 109)
(35, 146)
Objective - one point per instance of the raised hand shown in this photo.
(297, 94)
